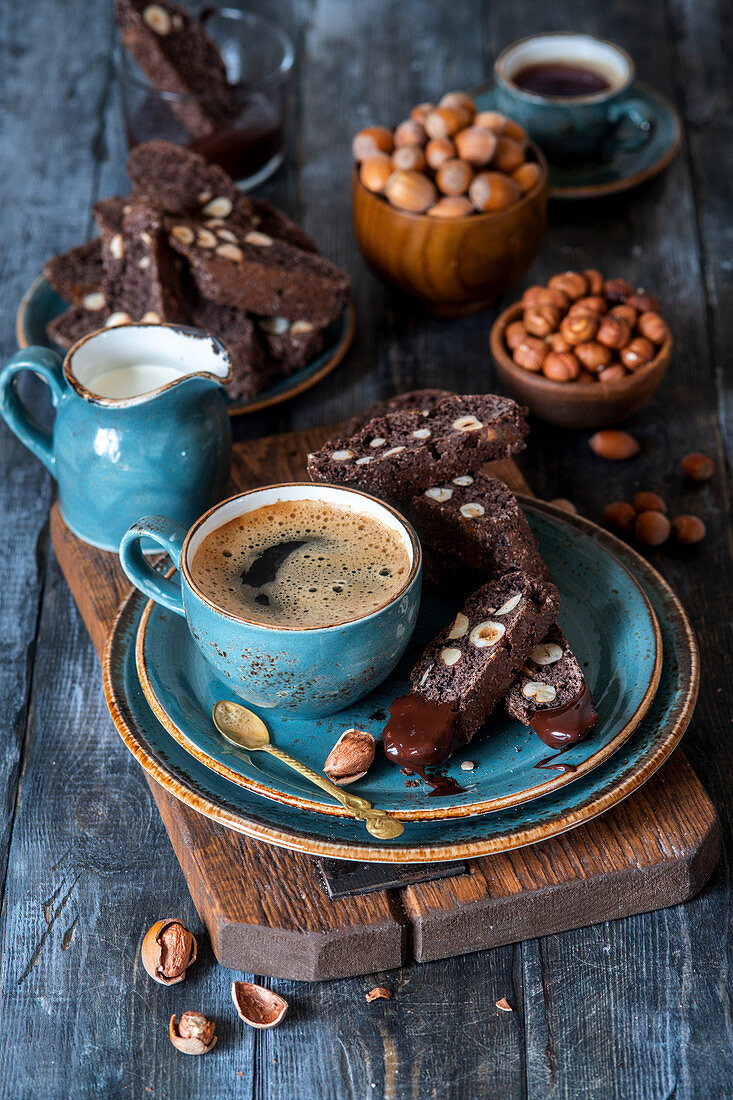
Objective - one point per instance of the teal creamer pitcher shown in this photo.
(141, 426)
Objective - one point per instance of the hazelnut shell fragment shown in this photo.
(258, 1006)
(192, 1033)
(379, 993)
(167, 951)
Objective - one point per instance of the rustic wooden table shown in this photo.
(636, 1008)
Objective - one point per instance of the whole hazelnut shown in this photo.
(514, 334)
(410, 191)
(625, 312)
(614, 372)
(193, 1033)
(578, 328)
(420, 111)
(410, 132)
(541, 320)
(551, 296)
(652, 528)
(617, 290)
(500, 124)
(476, 144)
(458, 99)
(619, 514)
(614, 332)
(688, 529)
(409, 158)
(444, 122)
(526, 176)
(531, 296)
(556, 342)
(613, 444)
(561, 366)
(167, 951)
(454, 176)
(451, 206)
(508, 156)
(585, 378)
(594, 279)
(698, 467)
(593, 304)
(374, 171)
(636, 354)
(593, 356)
(570, 283)
(373, 139)
(438, 151)
(653, 327)
(648, 502)
(492, 191)
(530, 354)
(643, 303)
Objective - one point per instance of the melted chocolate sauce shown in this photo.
(562, 727)
(547, 763)
(422, 734)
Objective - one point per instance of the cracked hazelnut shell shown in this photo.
(167, 951)
(193, 1033)
(258, 1006)
(350, 758)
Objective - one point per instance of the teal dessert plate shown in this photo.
(615, 169)
(238, 808)
(40, 304)
(605, 615)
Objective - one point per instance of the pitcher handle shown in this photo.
(169, 536)
(49, 366)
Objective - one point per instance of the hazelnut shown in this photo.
(557, 342)
(420, 112)
(530, 354)
(531, 296)
(613, 444)
(570, 283)
(585, 378)
(648, 502)
(592, 304)
(167, 951)
(578, 328)
(508, 156)
(688, 529)
(374, 171)
(409, 158)
(594, 279)
(643, 303)
(593, 356)
(438, 151)
(476, 145)
(451, 206)
(526, 176)
(443, 122)
(653, 327)
(636, 354)
(492, 191)
(514, 334)
(374, 139)
(614, 332)
(410, 191)
(454, 176)
(551, 296)
(350, 758)
(541, 320)
(258, 1006)
(193, 1034)
(409, 132)
(698, 467)
(560, 366)
(617, 290)
(614, 372)
(625, 312)
(619, 514)
(500, 124)
(652, 528)
(458, 99)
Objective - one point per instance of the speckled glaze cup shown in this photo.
(308, 672)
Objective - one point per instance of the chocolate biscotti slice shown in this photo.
(252, 369)
(406, 452)
(270, 220)
(176, 55)
(77, 273)
(76, 322)
(413, 399)
(259, 274)
(290, 344)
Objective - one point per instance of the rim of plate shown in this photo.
(439, 813)
(257, 403)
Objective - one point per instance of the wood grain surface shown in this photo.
(636, 1008)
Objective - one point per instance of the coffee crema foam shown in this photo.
(301, 564)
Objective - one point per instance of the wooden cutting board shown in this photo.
(268, 911)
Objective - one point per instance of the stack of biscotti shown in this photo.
(187, 247)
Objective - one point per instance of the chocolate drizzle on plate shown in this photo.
(562, 727)
(421, 734)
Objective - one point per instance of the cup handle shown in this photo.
(635, 111)
(169, 536)
(49, 365)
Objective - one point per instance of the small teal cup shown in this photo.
(308, 672)
(574, 127)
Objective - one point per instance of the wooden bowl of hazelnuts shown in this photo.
(451, 205)
(582, 352)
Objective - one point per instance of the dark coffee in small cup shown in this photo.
(560, 79)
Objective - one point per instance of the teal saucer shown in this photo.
(615, 169)
(40, 304)
(605, 615)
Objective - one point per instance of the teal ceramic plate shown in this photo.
(40, 304)
(615, 170)
(606, 617)
(182, 776)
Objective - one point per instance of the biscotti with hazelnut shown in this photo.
(291, 344)
(252, 369)
(422, 400)
(77, 273)
(550, 678)
(76, 322)
(400, 454)
(179, 181)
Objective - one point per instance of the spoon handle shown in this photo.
(378, 823)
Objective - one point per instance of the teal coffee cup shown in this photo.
(605, 116)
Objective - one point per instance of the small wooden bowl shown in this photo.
(568, 404)
(457, 265)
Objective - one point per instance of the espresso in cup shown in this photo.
(301, 564)
(559, 79)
